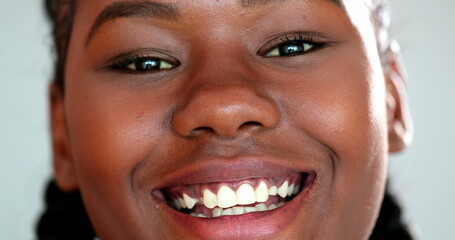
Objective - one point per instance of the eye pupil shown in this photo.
(291, 48)
(148, 65)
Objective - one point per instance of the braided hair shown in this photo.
(65, 216)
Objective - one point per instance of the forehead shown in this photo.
(194, 17)
(174, 8)
(96, 13)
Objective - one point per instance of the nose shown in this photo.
(225, 110)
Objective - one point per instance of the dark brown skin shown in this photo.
(335, 109)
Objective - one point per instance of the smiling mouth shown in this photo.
(217, 199)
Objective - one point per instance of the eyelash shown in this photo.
(285, 46)
(294, 45)
(150, 63)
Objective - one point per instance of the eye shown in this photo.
(293, 45)
(148, 64)
(142, 62)
(290, 48)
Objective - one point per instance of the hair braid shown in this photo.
(389, 224)
(65, 217)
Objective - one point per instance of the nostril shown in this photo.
(225, 111)
(199, 130)
(247, 126)
(250, 125)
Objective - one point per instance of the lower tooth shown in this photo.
(200, 215)
(227, 212)
(272, 206)
(216, 212)
(261, 207)
(238, 210)
(250, 209)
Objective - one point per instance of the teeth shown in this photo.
(291, 189)
(272, 206)
(296, 189)
(216, 212)
(182, 203)
(189, 201)
(245, 194)
(209, 199)
(250, 209)
(177, 204)
(227, 212)
(262, 193)
(238, 210)
(283, 190)
(226, 197)
(261, 207)
(198, 215)
(273, 191)
(224, 201)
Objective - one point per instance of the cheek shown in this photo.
(343, 108)
(111, 134)
(108, 132)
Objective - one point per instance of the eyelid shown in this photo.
(310, 37)
(141, 54)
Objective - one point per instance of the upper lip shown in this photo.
(232, 169)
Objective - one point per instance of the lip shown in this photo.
(247, 226)
(231, 170)
(258, 225)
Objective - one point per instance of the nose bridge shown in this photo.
(221, 94)
(225, 109)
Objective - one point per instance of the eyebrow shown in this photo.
(149, 9)
(144, 9)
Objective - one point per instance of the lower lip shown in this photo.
(251, 225)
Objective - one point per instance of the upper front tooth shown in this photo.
(291, 189)
(189, 201)
(283, 190)
(209, 199)
(245, 194)
(226, 197)
(262, 193)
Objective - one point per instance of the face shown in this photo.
(225, 119)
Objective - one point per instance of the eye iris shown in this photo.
(291, 48)
(148, 65)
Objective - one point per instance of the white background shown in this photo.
(423, 175)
